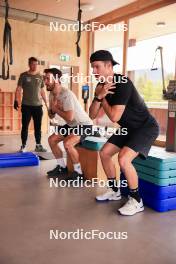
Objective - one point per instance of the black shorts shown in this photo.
(140, 140)
(80, 130)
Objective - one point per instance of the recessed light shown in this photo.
(87, 7)
(161, 24)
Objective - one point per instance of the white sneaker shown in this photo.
(131, 207)
(23, 149)
(109, 195)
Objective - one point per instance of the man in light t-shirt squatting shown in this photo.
(66, 105)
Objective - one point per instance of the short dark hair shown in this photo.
(102, 55)
(56, 72)
(31, 59)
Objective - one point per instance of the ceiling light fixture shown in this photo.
(87, 7)
(161, 24)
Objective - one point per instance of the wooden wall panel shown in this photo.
(36, 40)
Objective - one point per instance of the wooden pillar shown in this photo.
(131, 74)
(125, 47)
(91, 42)
(175, 68)
(75, 86)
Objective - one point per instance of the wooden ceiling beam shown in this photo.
(131, 10)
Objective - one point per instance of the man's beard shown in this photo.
(50, 88)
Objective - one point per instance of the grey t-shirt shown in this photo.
(70, 103)
(31, 85)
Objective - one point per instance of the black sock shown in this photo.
(134, 193)
(113, 184)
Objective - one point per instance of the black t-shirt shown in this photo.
(136, 112)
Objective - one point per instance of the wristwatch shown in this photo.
(97, 99)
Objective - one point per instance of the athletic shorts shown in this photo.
(140, 140)
(66, 130)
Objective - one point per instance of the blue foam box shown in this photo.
(165, 174)
(158, 159)
(160, 205)
(157, 192)
(157, 181)
(94, 143)
(18, 160)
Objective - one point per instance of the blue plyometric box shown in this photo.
(158, 159)
(160, 205)
(18, 160)
(157, 192)
(94, 143)
(164, 174)
(159, 168)
(159, 198)
(156, 180)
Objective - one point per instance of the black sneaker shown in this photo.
(75, 175)
(57, 171)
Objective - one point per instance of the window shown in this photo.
(140, 60)
(146, 37)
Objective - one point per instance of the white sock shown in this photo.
(61, 162)
(77, 168)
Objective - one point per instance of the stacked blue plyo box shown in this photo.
(157, 179)
(8, 160)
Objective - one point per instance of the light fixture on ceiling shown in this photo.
(87, 7)
(161, 24)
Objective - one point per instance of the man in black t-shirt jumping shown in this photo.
(122, 103)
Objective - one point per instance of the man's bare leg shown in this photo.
(134, 204)
(106, 154)
(61, 168)
(53, 141)
(69, 143)
(126, 156)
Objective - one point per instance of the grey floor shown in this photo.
(29, 209)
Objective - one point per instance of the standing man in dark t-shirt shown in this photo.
(31, 83)
(122, 104)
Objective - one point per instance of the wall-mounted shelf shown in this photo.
(10, 119)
